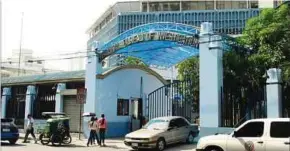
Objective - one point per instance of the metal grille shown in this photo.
(16, 105)
(239, 105)
(175, 99)
(45, 100)
(286, 100)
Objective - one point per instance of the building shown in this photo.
(228, 17)
(26, 65)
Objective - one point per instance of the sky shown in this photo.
(50, 27)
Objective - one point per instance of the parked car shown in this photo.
(9, 131)
(159, 132)
(271, 134)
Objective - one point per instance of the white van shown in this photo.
(272, 134)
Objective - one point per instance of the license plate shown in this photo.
(6, 130)
(134, 144)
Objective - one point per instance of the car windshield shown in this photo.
(156, 124)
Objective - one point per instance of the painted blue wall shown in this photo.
(120, 84)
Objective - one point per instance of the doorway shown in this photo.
(136, 114)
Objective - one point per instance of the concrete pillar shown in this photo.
(274, 93)
(6, 94)
(92, 84)
(29, 100)
(59, 98)
(211, 77)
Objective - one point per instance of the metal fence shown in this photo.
(239, 105)
(175, 99)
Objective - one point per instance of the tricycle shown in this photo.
(56, 129)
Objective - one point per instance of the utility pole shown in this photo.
(20, 43)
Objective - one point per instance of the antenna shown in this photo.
(20, 43)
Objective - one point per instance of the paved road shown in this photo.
(80, 146)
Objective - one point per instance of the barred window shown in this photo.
(122, 107)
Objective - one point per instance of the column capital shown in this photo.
(274, 76)
(215, 42)
(206, 29)
(30, 90)
(60, 87)
(6, 91)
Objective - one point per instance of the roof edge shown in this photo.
(140, 67)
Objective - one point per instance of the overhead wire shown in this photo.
(37, 59)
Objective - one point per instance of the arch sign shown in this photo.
(192, 41)
(177, 35)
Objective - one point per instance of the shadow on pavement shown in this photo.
(114, 147)
(9, 145)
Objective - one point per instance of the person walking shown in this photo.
(102, 129)
(29, 129)
(92, 131)
(96, 128)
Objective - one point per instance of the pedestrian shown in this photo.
(92, 131)
(102, 129)
(96, 127)
(29, 129)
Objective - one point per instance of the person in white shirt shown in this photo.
(29, 129)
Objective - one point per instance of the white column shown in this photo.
(29, 100)
(59, 98)
(274, 93)
(6, 94)
(211, 77)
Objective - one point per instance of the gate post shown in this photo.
(59, 98)
(274, 93)
(92, 84)
(6, 94)
(211, 78)
(29, 100)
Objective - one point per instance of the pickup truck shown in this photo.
(271, 134)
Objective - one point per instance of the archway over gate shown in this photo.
(166, 44)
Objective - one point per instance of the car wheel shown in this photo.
(190, 138)
(160, 145)
(213, 149)
(42, 141)
(12, 141)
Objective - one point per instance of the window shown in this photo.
(209, 5)
(254, 4)
(173, 123)
(280, 130)
(123, 107)
(220, 5)
(154, 6)
(252, 129)
(144, 7)
(181, 122)
(174, 6)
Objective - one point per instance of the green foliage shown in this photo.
(134, 61)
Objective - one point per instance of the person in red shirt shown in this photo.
(102, 129)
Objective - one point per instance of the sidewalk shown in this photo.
(116, 143)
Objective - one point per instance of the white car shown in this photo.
(159, 132)
(271, 134)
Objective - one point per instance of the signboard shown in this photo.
(81, 95)
(192, 41)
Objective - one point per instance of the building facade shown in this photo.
(228, 17)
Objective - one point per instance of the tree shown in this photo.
(134, 61)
